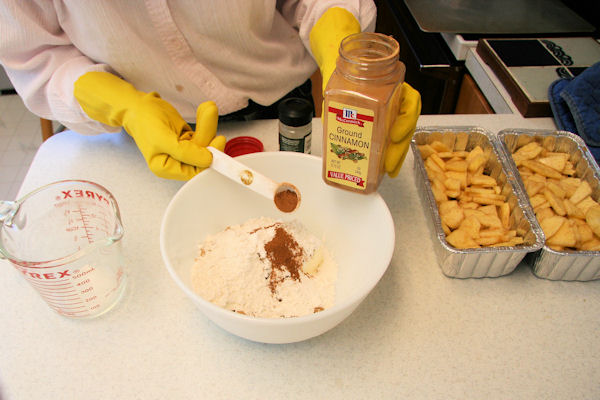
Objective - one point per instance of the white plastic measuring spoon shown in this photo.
(285, 195)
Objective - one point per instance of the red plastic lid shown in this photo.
(243, 145)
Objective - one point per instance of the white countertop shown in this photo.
(418, 335)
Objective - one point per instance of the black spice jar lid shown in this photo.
(295, 111)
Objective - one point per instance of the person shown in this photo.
(154, 67)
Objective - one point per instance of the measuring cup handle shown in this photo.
(8, 209)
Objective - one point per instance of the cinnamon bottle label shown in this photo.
(348, 144)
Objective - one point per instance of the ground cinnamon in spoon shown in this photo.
(286, 200)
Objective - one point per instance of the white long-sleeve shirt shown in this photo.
(188, 51)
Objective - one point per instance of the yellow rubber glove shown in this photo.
(325, 37)
(169, 146)
(402, 129)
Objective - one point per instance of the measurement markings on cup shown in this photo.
(86, 223)
(60, 294)
(81, 273)
(68, 296)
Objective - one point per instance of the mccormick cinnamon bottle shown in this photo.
(361, 102)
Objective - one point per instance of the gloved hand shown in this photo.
(325, 37)
(169, 146)
(402, 129)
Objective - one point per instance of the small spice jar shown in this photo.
(361, 102)
(295, 125)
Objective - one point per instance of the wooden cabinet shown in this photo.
(317, 92)
(470, 99)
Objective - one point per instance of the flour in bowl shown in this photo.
(266, 268)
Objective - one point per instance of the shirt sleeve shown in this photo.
(42, 63)
(304, 14)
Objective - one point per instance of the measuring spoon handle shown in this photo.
(242, 174)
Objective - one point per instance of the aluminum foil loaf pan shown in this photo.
(569, 265)
(482, 261)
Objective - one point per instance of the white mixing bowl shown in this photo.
(357, 229)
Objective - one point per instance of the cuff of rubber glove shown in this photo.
(395, 155)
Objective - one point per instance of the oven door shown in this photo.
(431, 68)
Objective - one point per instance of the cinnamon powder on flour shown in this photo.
(256, 268)
(285, 256)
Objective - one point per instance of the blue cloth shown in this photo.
(575, 104)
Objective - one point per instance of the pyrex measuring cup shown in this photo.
(65, 238)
